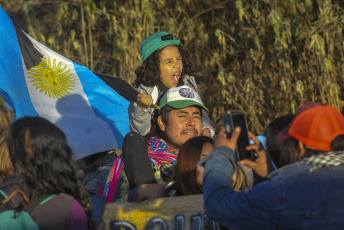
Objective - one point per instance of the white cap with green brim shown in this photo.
(181, 97)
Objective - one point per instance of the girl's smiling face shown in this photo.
(171, 66)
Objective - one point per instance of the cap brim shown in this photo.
(283, 135)
(179, 104)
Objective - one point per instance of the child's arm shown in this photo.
(140, 112)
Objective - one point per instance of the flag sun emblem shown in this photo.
(52, 79)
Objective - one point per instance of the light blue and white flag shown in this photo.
(36, 81)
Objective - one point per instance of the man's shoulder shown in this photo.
(290, 169)
(301, 169)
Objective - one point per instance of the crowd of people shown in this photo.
(294, 182)
(302, 194)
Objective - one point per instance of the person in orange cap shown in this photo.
(305, 194)
(313, 129)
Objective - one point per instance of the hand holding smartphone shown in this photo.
(232, 120)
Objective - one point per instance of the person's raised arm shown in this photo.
(140, 113)
(246, 209)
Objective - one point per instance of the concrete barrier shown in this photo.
(177, 213)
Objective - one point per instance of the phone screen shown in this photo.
(239, 119)
(228, 122)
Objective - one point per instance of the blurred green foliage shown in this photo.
(264, 57)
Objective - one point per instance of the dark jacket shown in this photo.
(293, 198)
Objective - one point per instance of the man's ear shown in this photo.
(302, 150)
(161, 124)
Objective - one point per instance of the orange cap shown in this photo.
(315, 126)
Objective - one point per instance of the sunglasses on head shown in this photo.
(167, 37)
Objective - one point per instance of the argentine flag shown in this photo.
(36, 81)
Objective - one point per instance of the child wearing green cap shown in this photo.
(166, 64)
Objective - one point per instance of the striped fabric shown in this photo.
(158, 152)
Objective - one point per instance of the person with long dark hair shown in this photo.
(306, 193)
(188, 176)
(44, 164)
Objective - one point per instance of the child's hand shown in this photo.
(144, 101)
(206, 132)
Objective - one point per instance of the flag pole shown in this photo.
(124, 83)
(153, 105)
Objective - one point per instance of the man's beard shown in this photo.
(173, 145)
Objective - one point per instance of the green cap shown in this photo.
(181, 97)
(157, 41)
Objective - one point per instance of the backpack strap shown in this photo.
(3, 193)
(4, 202)
(47, 199)
(4, 207)
(35, 201)
(15, 192)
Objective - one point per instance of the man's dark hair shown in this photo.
(338, 143)
(149, 73)
(273, 146)
(155, 129)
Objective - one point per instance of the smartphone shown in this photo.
(98, 208)
(232, 120)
